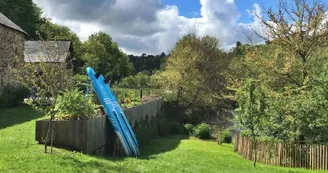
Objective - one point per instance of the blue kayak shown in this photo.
(115, 114)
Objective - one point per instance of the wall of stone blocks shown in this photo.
(11, 46)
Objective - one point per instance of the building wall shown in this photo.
(11, 46)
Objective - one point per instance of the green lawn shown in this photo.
(20, 153)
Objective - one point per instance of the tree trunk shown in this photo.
(47, 137)
(255, 157)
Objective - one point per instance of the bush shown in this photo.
(224, 136)
(73, 105)
(13, 96)
(176, 128)
(203, 131)
(190, 128)
(80, 81)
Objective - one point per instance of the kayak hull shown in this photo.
(114, 114)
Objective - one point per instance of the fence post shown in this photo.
(325, 157)
(280, 152)
(236, 143)
(312, 156)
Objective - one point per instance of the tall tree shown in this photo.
(24, 13)
(147, 62)
(103, 54)
(300, 29)
(252, 109)
(193, 70)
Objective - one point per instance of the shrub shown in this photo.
(13, 96)
(224, 136)
(176, 128)
(190, 128)
(203, 131)
(169, 96)
(73, 105)
(80, 81)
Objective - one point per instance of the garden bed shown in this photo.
(96, 136)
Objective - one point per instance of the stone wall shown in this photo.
(96, 136)
(11, 46)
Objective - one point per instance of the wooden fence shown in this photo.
(286, 155)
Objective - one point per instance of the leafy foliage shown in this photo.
(103, 55)
(52, 31)
(190, 128)
(298, 28)
(252, 107)
(127, 99)
(73, 105)
(176, 128)
(147, 62)
(203, 131)
(193, 71)
(45, 80)
(13, 95)
(292, 67)
(224, 136)
(24, 13)
(141, 80)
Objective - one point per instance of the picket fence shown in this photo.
(283, 154)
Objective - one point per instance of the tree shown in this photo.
(103, 54)
(300, 29)
(137, 81)
(252, 109)
(299, 115)
(147, 62)
(291, 64)
(52, 31)
(46, 81)
(193, 70)
(24, 13)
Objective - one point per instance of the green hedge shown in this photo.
(13, 96)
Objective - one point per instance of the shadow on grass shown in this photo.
(160, 145)
(154, 147)
(80, 166)
(17, 115)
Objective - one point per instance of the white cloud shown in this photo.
(147, 26)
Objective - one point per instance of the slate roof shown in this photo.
(7, 22)
(46, 51)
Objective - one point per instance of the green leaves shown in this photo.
(252, 108)
(73, 105)
(141, 80)
(202, 131)
(103, 55)
(52, 31)
(194, 71)
(24, 13)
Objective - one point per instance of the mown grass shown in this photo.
(19, 152)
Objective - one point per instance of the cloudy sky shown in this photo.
(154, 26)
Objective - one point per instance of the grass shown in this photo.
(19, 152)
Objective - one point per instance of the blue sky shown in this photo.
(191, 8)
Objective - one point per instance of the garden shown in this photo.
(201, 108)
(173, 153)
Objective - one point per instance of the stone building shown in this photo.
(56, 54)
(12, 39)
